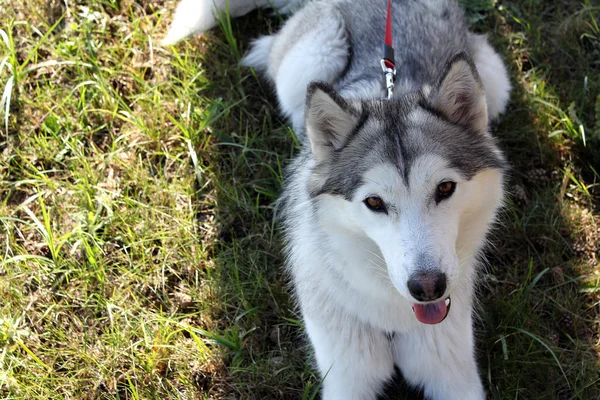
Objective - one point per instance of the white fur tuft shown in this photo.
(258, 56)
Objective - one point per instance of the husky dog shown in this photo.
(387, 207)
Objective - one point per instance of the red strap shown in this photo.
(388, 50)
(388, 25)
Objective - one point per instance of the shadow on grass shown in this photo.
(250, 317)
(539, 314)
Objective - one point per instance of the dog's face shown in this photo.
(419, 176)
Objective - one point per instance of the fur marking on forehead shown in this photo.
(398, 132)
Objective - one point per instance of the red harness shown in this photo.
(388, 64)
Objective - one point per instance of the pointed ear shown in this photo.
(460, 96)
(329, 119)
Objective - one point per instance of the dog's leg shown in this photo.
(197, 16)
(440, 358)
(493, 74)
(354, 359)
(312, 45)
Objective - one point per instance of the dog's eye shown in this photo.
(374, 203)
(444, 190)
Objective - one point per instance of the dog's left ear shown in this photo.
(460, 96)
(329, 119)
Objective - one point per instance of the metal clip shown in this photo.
(390, 75)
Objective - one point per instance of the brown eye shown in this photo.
(444, 190)
(374, 203)
(446, 187)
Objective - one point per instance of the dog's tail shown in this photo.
(197, 16)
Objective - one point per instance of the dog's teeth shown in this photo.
(447, 301)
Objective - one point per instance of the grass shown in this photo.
(139, 254)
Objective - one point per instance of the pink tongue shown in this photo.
(431, 313)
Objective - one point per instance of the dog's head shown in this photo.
(420, 176)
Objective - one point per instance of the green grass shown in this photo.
(139, 257)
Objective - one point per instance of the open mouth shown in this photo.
(432, 313)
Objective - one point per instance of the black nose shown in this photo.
(427, 286)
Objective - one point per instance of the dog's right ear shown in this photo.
(329, 119)
(460, 96)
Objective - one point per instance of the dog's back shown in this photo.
(341, 43)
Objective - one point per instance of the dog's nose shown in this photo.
(427, 286)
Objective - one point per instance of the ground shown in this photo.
(139, 254)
